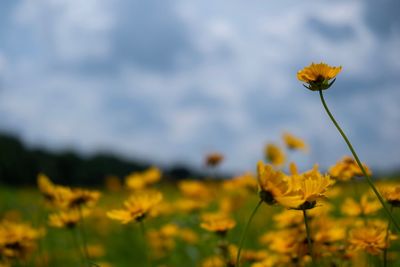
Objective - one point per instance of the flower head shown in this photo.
(392, 195)
(294, 143)
(137, 207)
(273, 184)
(67, 219)
(347, 168)
(275, 155)
(318, 76)
(218, 223)
(214, 159)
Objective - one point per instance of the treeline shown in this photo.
(19, 165)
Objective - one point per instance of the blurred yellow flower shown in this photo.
(294, 143)
(140, 180)
(17, 240)
(273, 184)
(275, 155)
(370, 238)
(367, 205)
(391, 193)
(318, 76)
(217, 222)
(194, 189)
(347, 168)
(67, 219)
(137, 207)
(214, 159)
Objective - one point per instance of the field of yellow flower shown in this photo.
(276, 215)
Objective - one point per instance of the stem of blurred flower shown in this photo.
(143, 231)
(387, 240)
(76, 245)
(237, 264)
(223, 246)
(83, 236)
(309, 243)
(367, 177)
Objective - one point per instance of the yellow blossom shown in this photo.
(367, 205)
(67, 218)
(370, 238)
(318, 76)
(391, 193)
(218, 223)
(294, 143)
(214, 159)
(137, 207)
(347, 168)
(275, 155)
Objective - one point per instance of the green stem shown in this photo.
(367, 177)
(309, 242)
(76, 244)
(143, 231)
(83, 236)
(245, 232)
(387, 241)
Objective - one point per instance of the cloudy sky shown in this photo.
(170, 80)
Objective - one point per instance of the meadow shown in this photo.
(275, 215)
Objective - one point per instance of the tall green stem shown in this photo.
(83, 236)
(387, 241)
(245, 232)
(367, 177)
(143, 231)
(309, 242)
(76, 244)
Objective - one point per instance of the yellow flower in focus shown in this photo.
(370, 238)
(367, 205)
(294, 143)
(273, 184)
(391, 194)
(275, 155)
(137, 207)
(318, 76)
(347, 168)
(218, 223)
(305, 190)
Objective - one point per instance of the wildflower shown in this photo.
(137, 207)
(17, 240)
(140, 180)
(67, 219)
(188, 236)
(273, 184)
(218, 223)
(76, 198)
(370, 238)
(318, 76)
(392, 195)
(214, 159)
(305, 190)
(347, 168)
(274, 155)
(294, 143)
(194, 190)
(366, 206)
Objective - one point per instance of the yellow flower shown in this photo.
(275, 155)
(305, 190)
(214, 159)
(140, 180)
(78, 197)
(391, 194)
(17, 240)
(194, 189)
(67, 219)
(347, 168)
(366, 206)
(318, 76)
(218, 223)
(137, 207)
(370, 238)
(294, 143)
(273, 184)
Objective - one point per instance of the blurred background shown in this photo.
(116, 85)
